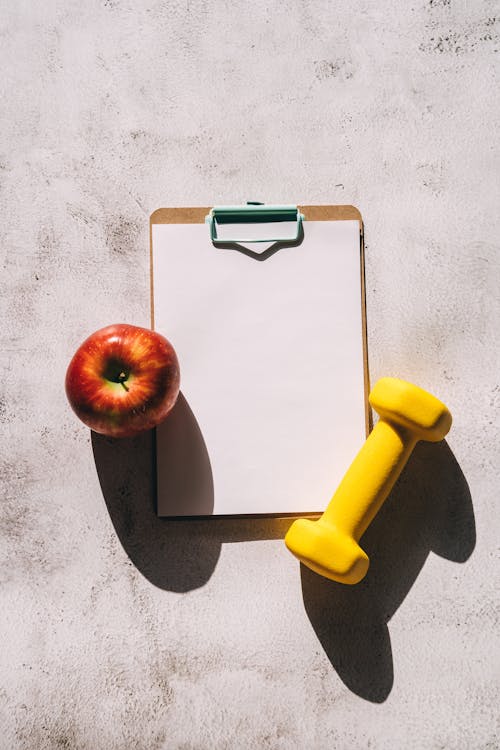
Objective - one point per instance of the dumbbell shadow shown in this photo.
(429, 509)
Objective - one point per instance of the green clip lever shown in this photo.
(253, 212)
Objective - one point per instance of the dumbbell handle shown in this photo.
(369, 479)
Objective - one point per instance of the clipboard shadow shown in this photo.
(173, 554)
(430, 509)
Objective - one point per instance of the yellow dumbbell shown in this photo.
(329, 546)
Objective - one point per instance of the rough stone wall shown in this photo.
(121, 631)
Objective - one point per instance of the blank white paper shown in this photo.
(272, 408)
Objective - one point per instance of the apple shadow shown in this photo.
(174, 554)
(185, 479)
(430, 509)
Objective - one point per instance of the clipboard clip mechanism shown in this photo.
(254, 213)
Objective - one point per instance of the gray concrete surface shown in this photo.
(120, 631)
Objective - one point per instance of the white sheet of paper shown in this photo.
(272, 409)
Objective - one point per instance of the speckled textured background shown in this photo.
(122, 631)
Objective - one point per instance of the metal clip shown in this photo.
(253, 212)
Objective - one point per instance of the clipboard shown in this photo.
(273, 356)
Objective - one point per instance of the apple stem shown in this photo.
(121, 378)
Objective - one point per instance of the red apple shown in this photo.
(123, 380)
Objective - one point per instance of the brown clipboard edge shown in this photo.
(196, 215)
